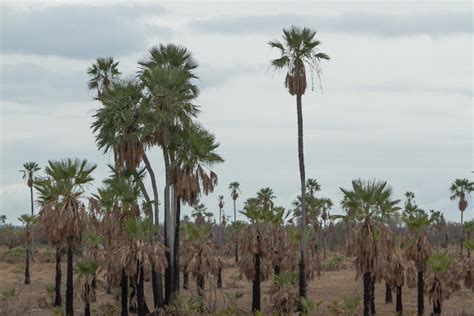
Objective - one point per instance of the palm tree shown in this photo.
(86, 270)
(65, 216)
(313, 186)
(418, 248)
(367, 199)
(265, 196)
(461, 189)
(220, 199)
(439, 263)
(118, 199)
(48, 195)
(166, 76)
(299, 50)
(234, 193)
(28, 221)
(29, 169)
(193, 152)
(254, 247)
(103, 73)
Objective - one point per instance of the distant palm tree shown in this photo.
(103, 72)
(234, 193)
(461, 189)
(64, 215)
(28, 221)
(29, 169)
(299, 50)
(266, 197)
(220, 199)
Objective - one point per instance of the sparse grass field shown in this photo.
(332, 285)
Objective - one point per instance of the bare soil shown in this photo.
(332, 285)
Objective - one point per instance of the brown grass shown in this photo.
(332, 285)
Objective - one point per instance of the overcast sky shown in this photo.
(396, 101)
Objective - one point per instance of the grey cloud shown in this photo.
(435, 23)
(211, 76)
(410, 87)
(77, 31)
(33, 85)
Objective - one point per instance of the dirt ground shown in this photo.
(331, 285)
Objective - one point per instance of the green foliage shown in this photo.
(180, 306)
(50, 289)
(86, 268)
(334, 263)
(9, 294)
(440, 262)
(137, 229)
(469, 244)
(231, 308)
(348, 306)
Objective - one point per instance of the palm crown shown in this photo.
(103, 72)
(461, 188)
(299, 49)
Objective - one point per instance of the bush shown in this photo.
(333, 264)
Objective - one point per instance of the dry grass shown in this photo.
(332, 285)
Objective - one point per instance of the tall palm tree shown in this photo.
(234, 193)
(299, 50)
(29, 169)
(103, 72)
(166, 76)
(194, 153)
(65, 215)
(367, 198)
(461, 189)
(313, 186)
(28, 221)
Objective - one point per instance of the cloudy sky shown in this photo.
(396, 102)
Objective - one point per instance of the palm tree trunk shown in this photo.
(367, 294)
(176, 248)
(388, 293)
(87, 308)
(141, 292)
(58, 300)
(168, 220)
(236, 244)
(462, 232)
(70, 281)
(32, 214)
(27, 265)
(156, 288)
(256, 286)
(219, 278)
(372, 296)
(436, 308)
(154, 187)
(185, 280)
(421, 285)
(124, 293)
(302, 265)
(399, 305)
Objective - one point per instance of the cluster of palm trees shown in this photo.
(124, 244)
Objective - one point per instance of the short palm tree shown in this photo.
(367, 199)
(64, 215)
(439, 263)
(255, 247)
(461, 189)
(299, 51)
(86, 270)
(417, 246)
(103, 73)
(234, 193)
(28, 221)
